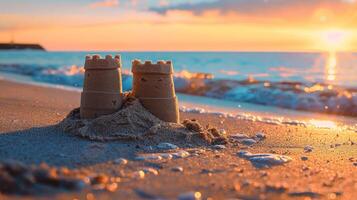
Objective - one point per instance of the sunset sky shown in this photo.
(189, 25)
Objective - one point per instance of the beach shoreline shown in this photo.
(28, 133)
(293, 81)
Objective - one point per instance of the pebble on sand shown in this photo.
(166, 146)
(148, 157)
(260, 136)
(248, 141)
(139, 174)
(180, 154)
(149, 170)
(219, 147)
(304, 194)
(308, 149)
(111, 187)
(166, 156)
(161, 156)
(304, 158)
(177, 169)
(120, 161)
(190, 196)
(264, 160)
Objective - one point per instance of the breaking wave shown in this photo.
(315, 97)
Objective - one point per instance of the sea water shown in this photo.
(313, 82)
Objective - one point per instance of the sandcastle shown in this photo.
(153, 85)
(102, 89)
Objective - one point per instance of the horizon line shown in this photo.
(210, 51)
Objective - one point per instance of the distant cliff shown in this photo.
(18, 46)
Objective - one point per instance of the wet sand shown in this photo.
(28, 133)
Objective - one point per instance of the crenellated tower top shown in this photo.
(96, 62)
(147, 67)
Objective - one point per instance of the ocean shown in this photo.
(312, 82)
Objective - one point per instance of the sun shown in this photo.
(335, 40)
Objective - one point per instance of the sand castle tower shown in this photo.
(102, 89)
(153, 85)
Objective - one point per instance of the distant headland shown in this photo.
(19, 46)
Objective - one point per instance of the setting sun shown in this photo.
(335, 40)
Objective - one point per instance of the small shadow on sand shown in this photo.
(51, 145)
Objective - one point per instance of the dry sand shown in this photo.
(28, 133)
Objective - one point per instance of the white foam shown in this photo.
(274, 120)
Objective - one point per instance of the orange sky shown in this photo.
(205, 25)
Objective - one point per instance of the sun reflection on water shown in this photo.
(331, 67)
(323, 123)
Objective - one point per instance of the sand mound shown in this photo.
(134, 122)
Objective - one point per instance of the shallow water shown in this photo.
(335, 69)
(318, 82)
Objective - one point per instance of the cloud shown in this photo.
(253, 6)
(349, 1)
(104, 4)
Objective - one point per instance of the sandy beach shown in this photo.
(323, 161)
